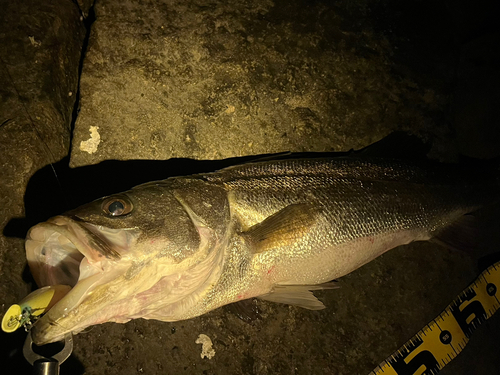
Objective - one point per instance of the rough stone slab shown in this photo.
(210, 79)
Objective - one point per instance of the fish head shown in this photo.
(125, 256)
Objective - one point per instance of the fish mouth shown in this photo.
(69, 251)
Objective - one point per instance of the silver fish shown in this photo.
(178, 248)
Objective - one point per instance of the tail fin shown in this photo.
(461, 235)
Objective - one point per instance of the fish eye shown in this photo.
(116, 206)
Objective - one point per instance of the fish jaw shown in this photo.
(65, 251)
(70, 314)
(140, 282)
(156, 287)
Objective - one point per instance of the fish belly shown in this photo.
(319, 265)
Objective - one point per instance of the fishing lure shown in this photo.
(26, 313)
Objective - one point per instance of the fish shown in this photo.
(276, 230)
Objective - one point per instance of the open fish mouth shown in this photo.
(68, 251)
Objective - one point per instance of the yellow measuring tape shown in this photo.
(446, 336)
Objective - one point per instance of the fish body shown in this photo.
(178, 248)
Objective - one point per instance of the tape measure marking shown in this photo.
(440, 341)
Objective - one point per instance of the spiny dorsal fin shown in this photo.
(284, 227)
(298, 295)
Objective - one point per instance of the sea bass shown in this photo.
(178, 248)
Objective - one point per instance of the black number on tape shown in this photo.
(424, 358)
(445, 337)
(491, 289)
(474, 309)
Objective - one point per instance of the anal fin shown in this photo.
(298, 295)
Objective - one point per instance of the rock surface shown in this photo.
(212, 80)
(40, 46)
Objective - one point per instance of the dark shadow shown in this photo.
(88, 22)
(11, 353)
(12, 358)
(47, 195)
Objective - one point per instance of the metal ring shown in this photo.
(60, 357)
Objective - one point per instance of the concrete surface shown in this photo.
(208, 80)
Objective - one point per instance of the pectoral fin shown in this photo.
(298, 295)
(285, 227)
